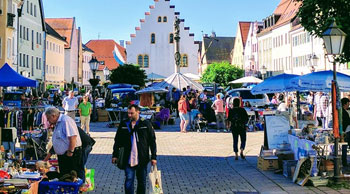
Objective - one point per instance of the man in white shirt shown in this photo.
(66, 141)
(70, 104)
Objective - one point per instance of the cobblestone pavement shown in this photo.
(195, 163)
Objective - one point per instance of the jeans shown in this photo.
(84, 156)
(220, 120)
(243, 135)
(141, 174)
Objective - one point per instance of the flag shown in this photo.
(118, 56)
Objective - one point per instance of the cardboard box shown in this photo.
(289, 167)
(103, 118)
(102, 112)
(268, 163)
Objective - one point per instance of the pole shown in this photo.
(335, 126)
(94, 116)
(177, 45)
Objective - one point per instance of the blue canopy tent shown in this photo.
(9, 77)
(276, 84)
(321, 81)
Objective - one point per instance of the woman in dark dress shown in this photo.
(239, 118)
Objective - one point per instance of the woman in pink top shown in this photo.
(182, 107)
(218, 106)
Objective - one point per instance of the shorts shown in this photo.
(183, 116)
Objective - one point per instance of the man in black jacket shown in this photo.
(345, 123)
(137, 137)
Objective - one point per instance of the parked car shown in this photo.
(258, 100)
(13, 99)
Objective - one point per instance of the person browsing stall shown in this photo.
(66, 141)
(85, 112)
(137, 137)
(70, 103)
(346, 131)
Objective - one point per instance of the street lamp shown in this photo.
(313, 62)
(94, 66)
(334, 39)
(106, 73)
(263, 71)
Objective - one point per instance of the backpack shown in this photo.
(236, 119)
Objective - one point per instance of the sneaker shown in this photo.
(242, 156)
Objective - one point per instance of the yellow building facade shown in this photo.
(54, 70)
(8, 32)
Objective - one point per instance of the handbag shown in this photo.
(155, 181)
(121, 162)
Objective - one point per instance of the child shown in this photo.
(201, 122)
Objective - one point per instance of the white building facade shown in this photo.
(152, 47)
(251, 58)
(87, 74)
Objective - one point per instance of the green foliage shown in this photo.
(128, 74)
(62, 89)
(50, 86)
(317, 15)
(221, 73)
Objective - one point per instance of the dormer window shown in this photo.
(159, 19)
(165, 19)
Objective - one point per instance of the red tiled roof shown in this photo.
(289, 13)
(282, 7)
(244, 27)
(103, 51)
(63, 26)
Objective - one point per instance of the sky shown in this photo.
(117, 19)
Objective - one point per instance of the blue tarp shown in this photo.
(9, 77)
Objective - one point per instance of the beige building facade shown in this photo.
(54, 69)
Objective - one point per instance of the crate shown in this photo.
(268, 163)
(59, 187)
(289, 167)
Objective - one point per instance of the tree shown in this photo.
(317, 15)
(221, 73)
(128, 74)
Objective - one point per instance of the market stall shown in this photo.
(308, 151)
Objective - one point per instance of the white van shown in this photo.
(254, 100)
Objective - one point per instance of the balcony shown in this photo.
(10, 19)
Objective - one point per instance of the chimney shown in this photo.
(121, 43)
(206, 35)
(213, 34)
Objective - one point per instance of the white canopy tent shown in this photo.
(249, 79)
(179, 81)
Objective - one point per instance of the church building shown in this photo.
(152, 46)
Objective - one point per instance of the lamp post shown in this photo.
(93, 66)
(263, 71)
(334, 39)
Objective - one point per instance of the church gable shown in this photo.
(152, 44)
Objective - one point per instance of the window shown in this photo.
(20, 30)
(165, 19)
(37, 62)
(31, 10)
(20, 59)
(34, 10)
(27, 6)
(32, 65)
(153, 38)
(32, 39)
(159, 19)
(24, 60)
(1, 7)
(9, 48)
(140, 60)
(37, 37)
(27, 34)
(171, 38)
(184, 61)
(27, 56)
(145, 61)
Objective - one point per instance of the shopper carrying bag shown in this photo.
(155, 180)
